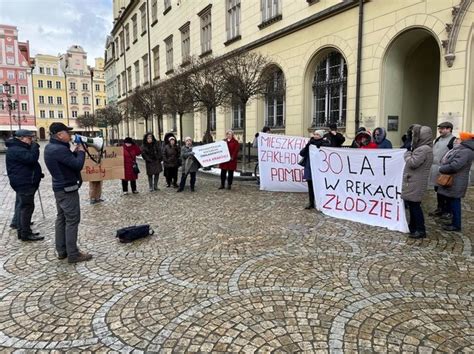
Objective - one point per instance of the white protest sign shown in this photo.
(212, 154)
(278, 157)
(361, 185)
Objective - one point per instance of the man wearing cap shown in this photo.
(65, 167)
(442, 144)
(24, 173)
(334, 137)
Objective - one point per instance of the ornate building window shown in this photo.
(275, 100)
(330, 91)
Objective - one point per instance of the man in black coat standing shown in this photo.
(24, 173)
(336, 139)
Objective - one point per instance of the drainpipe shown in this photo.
(359, 60)
(150, 80)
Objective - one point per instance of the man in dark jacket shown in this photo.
(65, 167)
(336, 139)
(25, 175)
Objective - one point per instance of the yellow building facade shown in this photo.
(352, 63)
(49, 93)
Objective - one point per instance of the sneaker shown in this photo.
(445, 216)
(81, 257)
(125, 193)
(151, 190)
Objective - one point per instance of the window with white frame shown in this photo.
(51, 114)
(154, 10)
(237, 116)
(137, 73)
(330, 91)
(233, 18)
(42, 113)
(129, 78)
(119, 91)
(185, 43)
(58, 85)
(49, 84)
(41, 99)
(206, 31)
(12, 90)
(97, 101)
(270, 9)
(127, 37)
(169, 53)
(24, 106)
(97, 87)
(60, 114)
(55, 71)
(40, 83)
(86, 100)
(50, 100)
(174, 122)
(143, 18)
(212, 120)
(48, 71)
(41, 70)
(156, 62)
(124, 83)
(85, 87)
(134, 27)
(122, 43)
(23, 90)
(275, 100)
(145, 68)
(10, 75)
(59, 100)
(72, 85)
(21, 75)
(86, 114)
(73, 100)
(74, 114)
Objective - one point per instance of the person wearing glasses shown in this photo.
(65, 167)
(24, 173)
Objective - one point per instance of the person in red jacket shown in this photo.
(228, 168)
(130, 153)
(363, 140)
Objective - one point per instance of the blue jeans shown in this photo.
(455, 206)
(417, 220)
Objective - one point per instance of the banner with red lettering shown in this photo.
(278, 157)
(360, 185)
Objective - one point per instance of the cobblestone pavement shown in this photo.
(238, 270)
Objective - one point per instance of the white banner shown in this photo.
(278, 157)
(362, 185)
(212, 154)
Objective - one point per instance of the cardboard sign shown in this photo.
(111, 166)
(212, 154)
(278, 157)
(362, 185)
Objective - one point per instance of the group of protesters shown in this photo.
(425, 161)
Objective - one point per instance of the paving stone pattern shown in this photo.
(233, 271)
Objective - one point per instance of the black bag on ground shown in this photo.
(132, 233)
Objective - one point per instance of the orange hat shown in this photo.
(466, 136)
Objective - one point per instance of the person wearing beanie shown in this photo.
(171, 162)
(335, 139)
(130, 153)
(317, 140)
(354, 144)
(457, 163)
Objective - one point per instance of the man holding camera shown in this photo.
(24, 173)
(65, 167)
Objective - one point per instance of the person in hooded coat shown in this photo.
(418, 162)
(363, 140)
(190, 164)
(130, 153)
(457, 162)
(228, 168)
(171, 162)
(151, 153)
(380, 138)
(318, 140)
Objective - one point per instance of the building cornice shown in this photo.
(124, 16)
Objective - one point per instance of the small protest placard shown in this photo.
(212, 154)
(110, 167)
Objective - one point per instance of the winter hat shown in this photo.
(128, 140)
(188, 138)
(466, 136)
(320, 132)
(171, 137)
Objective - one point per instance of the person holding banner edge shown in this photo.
(317, 139)
(418, 162)
(228, 168)
(190, 164)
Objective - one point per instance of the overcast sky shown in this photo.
(52, 26)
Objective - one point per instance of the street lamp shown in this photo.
(6, 88)
(17, 102)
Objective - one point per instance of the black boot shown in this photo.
(31, 237)
(221, 187)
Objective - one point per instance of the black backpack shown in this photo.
(132, 233)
